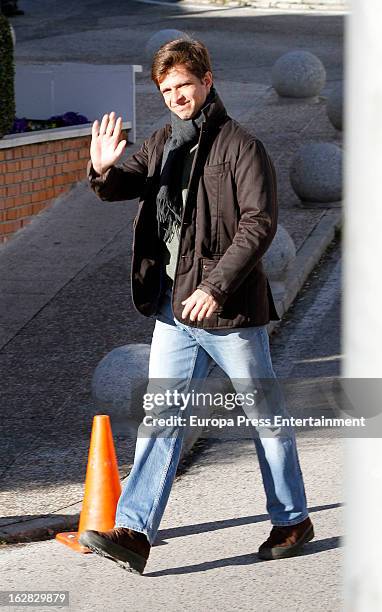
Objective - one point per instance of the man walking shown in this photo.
(207, 214)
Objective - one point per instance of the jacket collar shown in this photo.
(215, 112)
(215, 115)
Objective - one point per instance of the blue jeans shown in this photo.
(183, 353)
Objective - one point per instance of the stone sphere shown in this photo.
(298, 74)
(316, 172)
(160, 38)
(118, 380)
(280, 256)
(334, 106)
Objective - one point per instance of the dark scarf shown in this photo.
(184, 134)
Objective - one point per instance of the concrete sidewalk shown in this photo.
(65, 297)
(205, 556)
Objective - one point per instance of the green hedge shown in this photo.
(7, 76)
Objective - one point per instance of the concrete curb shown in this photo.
(314, 246)
(307, 258)
(325, 7)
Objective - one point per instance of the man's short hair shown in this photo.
(190, 53)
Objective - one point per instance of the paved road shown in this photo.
(205, 555)
(65, 281)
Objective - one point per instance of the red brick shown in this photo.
(9, 226)
(25, 187)
(18, 153)
(42, 148)
(25, 199)
(50, 193)
(38, 207)
(32, 150)
(17, 177)
(59, 180)
(12, 166)
(49, 160)
(39, 196)
(72, 155)
(68, 144)
(81, 165)
(8, 178)
(44, 182)
(25, 164)
(13, 190)
(9, 154)
(84, 153)
(60, 158)
(7, 202)
(77, 142)
(58, 189)
(37, 162)
(70, 166)
(19, 212)
(2, 154)
(10, 202)
(27, 175)
(70, 178)
(38, 185)
(56, 145)
(50, 170)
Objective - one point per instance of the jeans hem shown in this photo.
(134, 528)
(290, 523)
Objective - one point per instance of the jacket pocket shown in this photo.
(217, 168)
(221, 206)
(206, 267)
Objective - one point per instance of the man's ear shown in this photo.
(207, 79)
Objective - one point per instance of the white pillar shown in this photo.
(362, 314)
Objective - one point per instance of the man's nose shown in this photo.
(176, 97)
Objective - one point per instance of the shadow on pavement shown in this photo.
(249, 559)
(178, 532)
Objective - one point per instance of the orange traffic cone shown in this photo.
(102, 485)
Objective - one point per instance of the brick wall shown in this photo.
(33, 175)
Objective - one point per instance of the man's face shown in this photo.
(183, 92)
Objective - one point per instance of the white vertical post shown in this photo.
(362, 313)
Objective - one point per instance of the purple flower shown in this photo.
(27, 125)
(72, 118)
(19, 125)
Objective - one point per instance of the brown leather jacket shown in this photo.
(229, 221)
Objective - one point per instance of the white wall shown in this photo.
(43, 90)
(362, 315)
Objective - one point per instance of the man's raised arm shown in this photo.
(110, 182)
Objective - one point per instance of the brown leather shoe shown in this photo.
(129, 548)
(286, 541)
